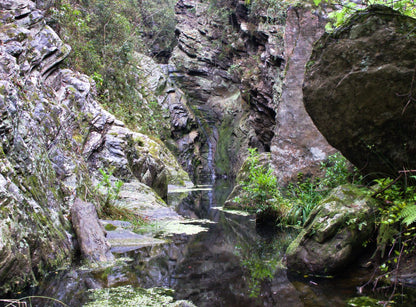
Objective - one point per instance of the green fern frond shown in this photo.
(408, 214)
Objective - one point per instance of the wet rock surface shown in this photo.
(334, 232)
(229, 69)
(358, 90)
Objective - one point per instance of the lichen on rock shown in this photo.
(54, 139)
(334, 233)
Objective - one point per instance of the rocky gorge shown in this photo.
(55, 139)
(241, 76)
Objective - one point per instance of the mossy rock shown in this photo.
(334, 233)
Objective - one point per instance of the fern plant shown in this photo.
(408, 214)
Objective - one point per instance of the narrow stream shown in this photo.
(234, 263)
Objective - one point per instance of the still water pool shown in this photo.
(231, 263)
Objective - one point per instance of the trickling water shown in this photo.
(210, 153)
(210, 159)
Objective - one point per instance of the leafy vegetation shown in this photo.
(260, 193)
(290, 205)
(396, 218)
(106, 37)
(261, 260)
(111, 189)
(130, 296)
(344, 9)
(107, 192)
(397, 233)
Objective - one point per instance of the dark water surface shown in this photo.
(233, 264)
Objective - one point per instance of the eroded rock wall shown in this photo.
(54, 139)
(229, 68)
(298, 146)
(242, 68)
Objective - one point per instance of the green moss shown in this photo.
(222, 160)
(309, 64)
(365, 301)
(110, 227)
(129, 296)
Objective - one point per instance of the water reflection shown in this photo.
(233, 264)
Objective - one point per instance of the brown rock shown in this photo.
(298, 146)
(358, 90)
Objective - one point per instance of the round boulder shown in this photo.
(334, 233)
(360, 90)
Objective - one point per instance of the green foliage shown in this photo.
(292, 204)
(408, 214)
(105, 37)
(274, 8)
(260, 260)
(337, 172)
(304, 195)
(398, 202)
(397, 212)
(112, 189)
(106, 193)
(344, 9)
(397, 207)
(260, 193)
(365, 301)
(262, 183)
(130, 296)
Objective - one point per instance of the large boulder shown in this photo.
(334, 232)
(359, 90)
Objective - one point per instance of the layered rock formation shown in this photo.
(241, 66)
(227, 65)
(359, 90)
(54, 139)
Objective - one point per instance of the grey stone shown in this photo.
(334, 232)
(298, 146)
(54, 138)
(90, 233)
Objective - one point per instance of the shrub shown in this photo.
(105, 37)
(344, 9)
(289, 205)
(259, 190)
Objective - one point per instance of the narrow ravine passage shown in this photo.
(231, 262)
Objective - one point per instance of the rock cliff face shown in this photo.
(229, 67)
(54, 138)
(359, 90)
(242, 73)
(298, 146)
